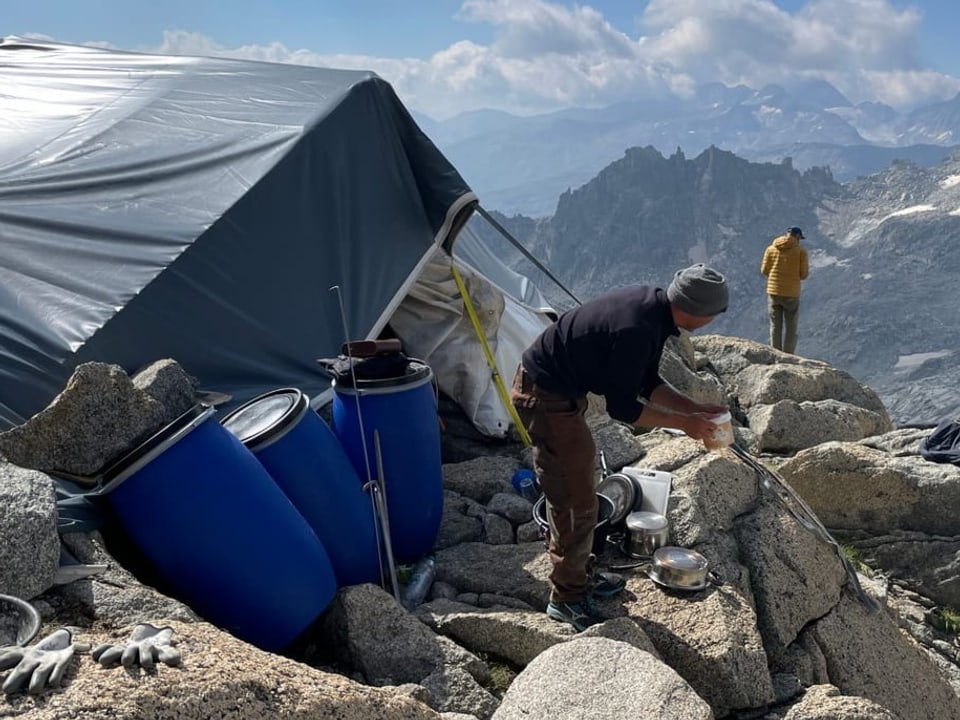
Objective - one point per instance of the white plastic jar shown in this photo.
(722, 433)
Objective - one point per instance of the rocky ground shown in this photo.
(785, 638)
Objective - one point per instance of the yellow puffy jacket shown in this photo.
(785, 265)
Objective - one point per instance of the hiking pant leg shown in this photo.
(791, 314)
(776, 321)
(564, 455)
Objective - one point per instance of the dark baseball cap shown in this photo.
(796, 231)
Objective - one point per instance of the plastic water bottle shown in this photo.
(421, 579)
(525, 483)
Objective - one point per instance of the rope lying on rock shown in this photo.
(798, 508)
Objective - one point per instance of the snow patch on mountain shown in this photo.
(860, 230)
(909, 362)
(821, 259)
(913, 210)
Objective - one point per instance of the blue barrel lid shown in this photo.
(266, 418)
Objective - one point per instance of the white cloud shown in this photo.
(547, 55)
(902, 89)
(866, 48)
(528, 28)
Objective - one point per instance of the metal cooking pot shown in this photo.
(645, 532)
(19, 621)
(600, 532)
(679, 568)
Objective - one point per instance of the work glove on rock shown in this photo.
(147, 644)
(43, 664)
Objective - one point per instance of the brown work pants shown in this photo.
(564, 455)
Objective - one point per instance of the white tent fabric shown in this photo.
(433, 323)
(480, 255)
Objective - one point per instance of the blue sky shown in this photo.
(523, 56)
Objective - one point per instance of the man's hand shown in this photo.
(699, 426)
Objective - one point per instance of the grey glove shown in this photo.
(44, 663)
(146, 645)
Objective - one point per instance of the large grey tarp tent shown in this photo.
(201, 209)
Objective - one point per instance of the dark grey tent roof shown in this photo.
(201, 209)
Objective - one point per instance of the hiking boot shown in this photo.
(581, 614)
(606, 584)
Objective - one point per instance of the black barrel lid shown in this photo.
(413, 371)
(266, 418)
(123, 468)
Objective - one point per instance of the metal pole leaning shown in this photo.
(378, 504)
(381, 487)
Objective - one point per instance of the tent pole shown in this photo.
(491, 361)
(526, 253)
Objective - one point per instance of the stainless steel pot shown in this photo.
(19, 621)
(679, 568)
(676, 568)
(600, 531)
(644, 533)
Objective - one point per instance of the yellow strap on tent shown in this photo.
(497, 377)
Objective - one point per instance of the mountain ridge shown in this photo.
(520, 164)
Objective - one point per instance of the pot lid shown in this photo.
(620, 490)
(644, 520)
(678, 558)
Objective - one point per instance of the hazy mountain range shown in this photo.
(522, 164)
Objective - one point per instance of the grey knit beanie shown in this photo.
(699, 290)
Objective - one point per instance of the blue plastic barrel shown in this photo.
(217, 527)
(403, 411)
(306, 460)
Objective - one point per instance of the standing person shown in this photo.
(785, 265)
(609, 346)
